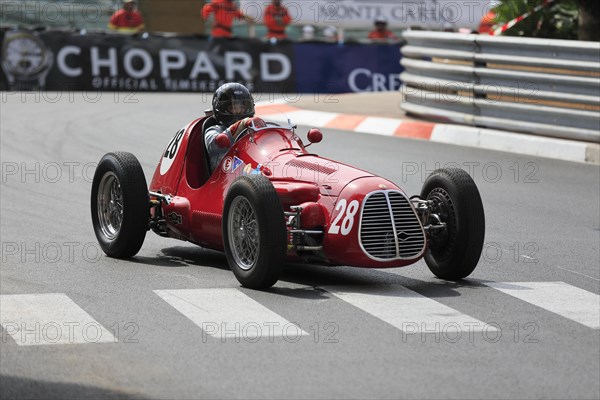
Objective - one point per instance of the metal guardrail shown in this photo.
(539, 86)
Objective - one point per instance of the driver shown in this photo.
(233, 108)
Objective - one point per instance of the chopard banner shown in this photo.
(59, 60)
(55, 60)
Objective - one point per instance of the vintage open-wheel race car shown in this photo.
(271, 200)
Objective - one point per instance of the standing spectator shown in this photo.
(127, 19)
(308, 32)
(330, 34)
(225, 11)
(486, 26)
(276, 20)
(381, 32)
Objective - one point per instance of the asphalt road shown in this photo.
(543, 225)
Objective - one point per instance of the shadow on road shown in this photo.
(12, 387)
(316, 276)
(184, 256)
(362, 278)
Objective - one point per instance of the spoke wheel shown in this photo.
(110, 205)
(254, 231)
(120, 205)
(243, 230)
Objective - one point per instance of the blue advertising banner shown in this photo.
(62, 60)
(333, 68)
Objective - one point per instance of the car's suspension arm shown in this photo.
(297, 233)
(430, 220)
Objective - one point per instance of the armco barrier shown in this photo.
(539, 86)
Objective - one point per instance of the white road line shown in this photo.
(558, 297)
(53, 318)
(407, 310)
(229, 313)
(578, 273)
(379, 126)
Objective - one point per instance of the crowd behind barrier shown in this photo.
(94, 15)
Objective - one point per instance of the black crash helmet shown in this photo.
(231, 103)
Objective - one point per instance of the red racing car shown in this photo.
(271, 200)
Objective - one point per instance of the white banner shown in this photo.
(429, 14)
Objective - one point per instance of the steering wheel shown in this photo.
(243, 133)
(254, 128)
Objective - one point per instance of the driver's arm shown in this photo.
(215, 153)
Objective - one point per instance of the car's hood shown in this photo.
(330, 176)
(281, 154)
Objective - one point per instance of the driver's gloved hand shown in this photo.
(236, 128)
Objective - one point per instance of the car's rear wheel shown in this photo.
(454, 252)
(254, 232)
(120, 205)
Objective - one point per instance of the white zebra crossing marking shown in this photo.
(558, 297)
(229, 313)
(407, 310)
(44, 319)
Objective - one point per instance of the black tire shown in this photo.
(124, 239)
(255, 246)
(454, 253)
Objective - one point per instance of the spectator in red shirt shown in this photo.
(127, 19)
(381, 32)
(276, 20)
(486, 26)
(225, 11)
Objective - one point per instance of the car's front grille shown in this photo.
(389, 227)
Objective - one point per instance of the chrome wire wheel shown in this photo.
(243, 233)
(110, 205)
(254, 231)
(120, 205)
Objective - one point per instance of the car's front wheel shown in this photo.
(454, 252)
(254, 232)
(120, 205)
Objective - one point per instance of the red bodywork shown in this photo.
(322, 187)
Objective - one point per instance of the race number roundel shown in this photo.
(227, 164)
(171, 152)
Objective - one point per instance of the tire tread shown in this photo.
(469, 209)
(268, 209)
(135, 204)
